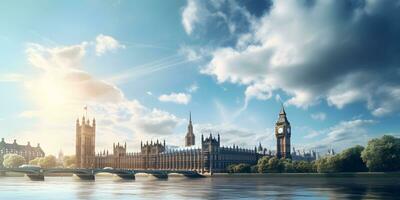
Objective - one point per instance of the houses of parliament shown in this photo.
(208, 156)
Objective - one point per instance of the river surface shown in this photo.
(238, 187)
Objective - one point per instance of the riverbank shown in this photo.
(301, 175)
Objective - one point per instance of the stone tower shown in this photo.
(85, 143)
(282, 133)
(189, 138)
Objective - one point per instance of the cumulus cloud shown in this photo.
(179, 98)
(61, 81)
(63, 57)
(337, 51)
(318, 116)
(106, 43)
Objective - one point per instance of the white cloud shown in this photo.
(318, 116)
(60, 82)
(179, 98)
(319, 57)
(343, 135)
(312, 134)
(190, 53)
(190, 16)
(65, 57)
(106, 43)
(149, 93)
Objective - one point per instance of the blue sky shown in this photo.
(142, 66)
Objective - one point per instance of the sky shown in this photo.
(141, 66)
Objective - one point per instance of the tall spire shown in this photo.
(190, 138)
(282, 109)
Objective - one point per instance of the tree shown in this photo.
(13, 160)
(329, 164)
(288, 166)
(275, 165)
(48, 161)
(69, 161)
(230, 168)
(382, 154)
(303, 166)
(254, 169)
(351, 160)
(239, 168)
(242, 168)
(262, 164)
(35, 161)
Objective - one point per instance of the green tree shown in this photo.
(262, 164)
(48, 161)
(35, 161)
(288, 166)
(242, 168)
(275, 165)
(69, 161)
(13, 160)
(254, 169)
(382, 154)
(350, 160)
(303, 166)
(239, 168)
(329, 164)
(230, 168)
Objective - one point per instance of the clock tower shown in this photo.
(282, 133)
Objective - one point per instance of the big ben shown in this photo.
(282, 133)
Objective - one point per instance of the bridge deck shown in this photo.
(39, 173)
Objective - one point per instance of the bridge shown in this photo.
(90, 174)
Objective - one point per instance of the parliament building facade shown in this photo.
(208, 157)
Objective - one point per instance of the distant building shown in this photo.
(26, 151)
(209, 157)
(60, 156)
(309, 155)
(331, 152)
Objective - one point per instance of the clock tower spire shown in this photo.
(282, 133)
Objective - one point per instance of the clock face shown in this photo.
(280, 130)
(288, 130)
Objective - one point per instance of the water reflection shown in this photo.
(204, 188)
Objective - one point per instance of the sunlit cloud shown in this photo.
(59, 91)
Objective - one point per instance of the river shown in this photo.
(237, 187)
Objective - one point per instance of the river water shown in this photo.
(238, 187)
